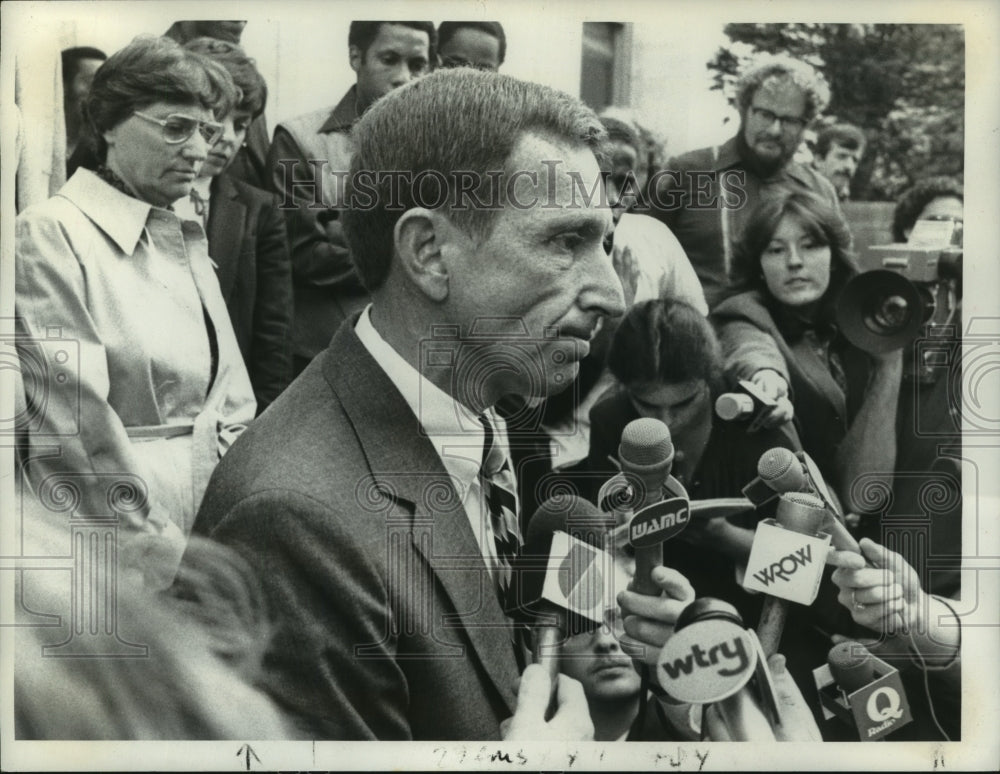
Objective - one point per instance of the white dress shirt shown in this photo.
(453, 430)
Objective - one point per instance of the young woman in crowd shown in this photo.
(129, 359)
(246, 234)
(778, 331)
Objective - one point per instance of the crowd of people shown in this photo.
(318, 405)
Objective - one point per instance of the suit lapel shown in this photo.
(226, 223)
(406, 467)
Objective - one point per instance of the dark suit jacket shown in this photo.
(388, 624)
(246, 239)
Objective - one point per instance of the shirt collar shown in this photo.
(454, 431)
(343, 116)
(120, 216)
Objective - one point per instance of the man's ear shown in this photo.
(421, 237)
(356, 57)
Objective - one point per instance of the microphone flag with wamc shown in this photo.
(863, 691)
(660, 504)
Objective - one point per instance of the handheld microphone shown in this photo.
(660, 502)
(778, 471)
(862, 690)
(712, 659)
(786, 562)
(748, 404)
(561, 578)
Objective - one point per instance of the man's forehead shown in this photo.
(779, 89)
(560, 176)
(395, 35)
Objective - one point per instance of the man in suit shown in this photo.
(305, 166)
(370, 495)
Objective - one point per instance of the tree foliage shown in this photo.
(903, 84)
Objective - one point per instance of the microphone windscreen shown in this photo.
(567, 513)
(781, 470)
(800, 512)
(646, 444)
(732, 405)
(851, 665)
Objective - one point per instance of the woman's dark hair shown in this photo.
(252, 87)
(150, 70)
(913, 201)
(666, 341)
(818, 219)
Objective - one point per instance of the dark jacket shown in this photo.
(246, 239)
(389, 627)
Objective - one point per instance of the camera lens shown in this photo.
(891, 314)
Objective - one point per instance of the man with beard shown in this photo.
(705, 196)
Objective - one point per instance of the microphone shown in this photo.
(862, 690)
(778, 471)
(786, 562)
(712, 659)
(748, 404)
(647, 454)
(560, 579)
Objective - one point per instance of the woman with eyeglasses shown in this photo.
(779, 332)
(134, 381)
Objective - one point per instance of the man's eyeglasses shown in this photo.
(787, 122)
(178, 128)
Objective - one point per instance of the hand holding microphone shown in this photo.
(571, 720)
(874, 593)
(649, 621)
(775, 387)
(884, 594)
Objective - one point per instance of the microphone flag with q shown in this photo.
(712, 659)
(863, 691)
(660, 503)
(749, 404)
(786, 562)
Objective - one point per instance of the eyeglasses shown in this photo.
(787, 122)
(178, 128)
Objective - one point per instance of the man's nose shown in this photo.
(604, 641)
(401, 75)
(604, 292)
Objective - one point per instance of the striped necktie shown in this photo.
(499, 491)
